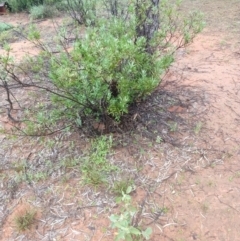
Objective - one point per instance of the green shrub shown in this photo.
(21, 5)
(5, 27)
(84, 11)
(52, 2)
(109, 68)
(61, 5)
(38, 8)
(42, 11)
(37, 11)
(107, 71)
(6, 34)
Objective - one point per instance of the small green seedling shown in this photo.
(198, 127)
(121, 186)
(25, 221)
(173, 126)
(123, 221)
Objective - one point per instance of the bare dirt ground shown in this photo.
(206, 202)
(189, 182)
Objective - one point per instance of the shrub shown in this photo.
(5, 27)
(107, 71)
(109, 68)
(42, 11)
(61, 5)
(37, 12)
(21, 5)
(83, 11)
(52, 2)
(6, 34)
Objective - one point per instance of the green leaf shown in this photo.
(134, 231)
(129, 190)
(113, 218)
(147, 233)
(129, 237)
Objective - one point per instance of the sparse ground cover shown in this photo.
(178, 164)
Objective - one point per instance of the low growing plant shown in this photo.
(96, 165)
(5, 26)
(6, 36)
(198, 127)
(122, 186)
(123, 222)
(24, 220)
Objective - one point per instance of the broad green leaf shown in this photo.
(129, 189)
(134, 231)
(147, 233)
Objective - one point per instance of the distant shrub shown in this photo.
(61, 5)
(5, 33)
(51, 2)
(37, 12)
(42, 11)
(5, 26)
(21, 5)
(83, 11)
(6, 37)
